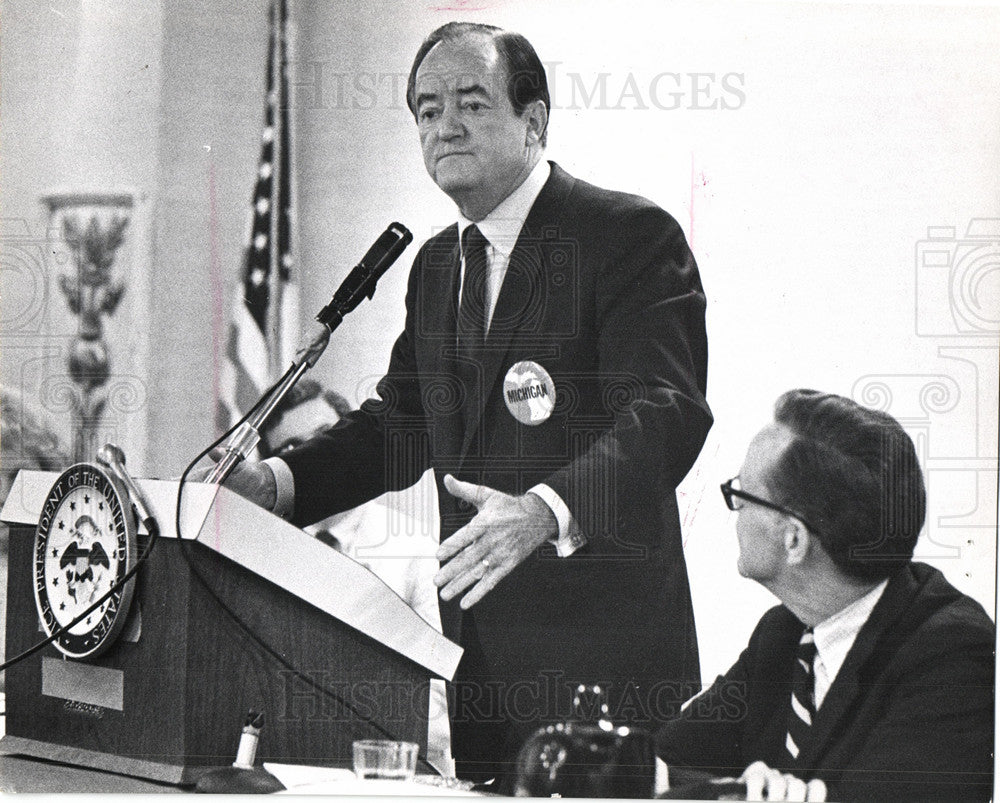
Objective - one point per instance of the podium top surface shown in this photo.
(278, 552)
(27, 497)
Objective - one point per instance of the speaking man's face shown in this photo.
(474, 146)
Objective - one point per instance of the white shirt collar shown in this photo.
(503, 225)
(836, 634)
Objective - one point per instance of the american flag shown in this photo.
(260, 339)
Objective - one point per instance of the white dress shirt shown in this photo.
(835, 636)
(501, 228)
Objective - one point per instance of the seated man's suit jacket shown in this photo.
(909, 715)
(603, 293)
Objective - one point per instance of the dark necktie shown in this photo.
(471, 323)
(472, 307)
(803, 701)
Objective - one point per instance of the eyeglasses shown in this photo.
(731, 491)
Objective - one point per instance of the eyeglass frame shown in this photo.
(728, 492)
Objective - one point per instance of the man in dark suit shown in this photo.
(874, 676)
(552, 371)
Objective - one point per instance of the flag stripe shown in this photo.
(246, 388)
(246, 344)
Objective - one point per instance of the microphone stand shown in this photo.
(247, 436)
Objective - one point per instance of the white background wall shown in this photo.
(852, 130)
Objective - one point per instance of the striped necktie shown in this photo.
(803, 699)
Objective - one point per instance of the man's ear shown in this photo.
(537, 118)
(797, 541)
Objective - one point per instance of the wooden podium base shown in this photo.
(171, 704)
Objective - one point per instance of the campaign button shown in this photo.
(529, 393)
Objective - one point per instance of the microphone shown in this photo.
(113, 458)
(361, 281)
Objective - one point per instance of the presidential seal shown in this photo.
(529, 392)
(84, 544)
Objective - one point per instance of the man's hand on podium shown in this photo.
(251, 480)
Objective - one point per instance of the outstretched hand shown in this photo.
(505, 530)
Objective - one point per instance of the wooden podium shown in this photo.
(342, 658)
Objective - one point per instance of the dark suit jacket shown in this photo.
(909, 715)
(603, 292)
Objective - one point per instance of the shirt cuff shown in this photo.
(662, 782)
(571, 538)
(284, 487)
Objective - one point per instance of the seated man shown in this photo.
(875, 676)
